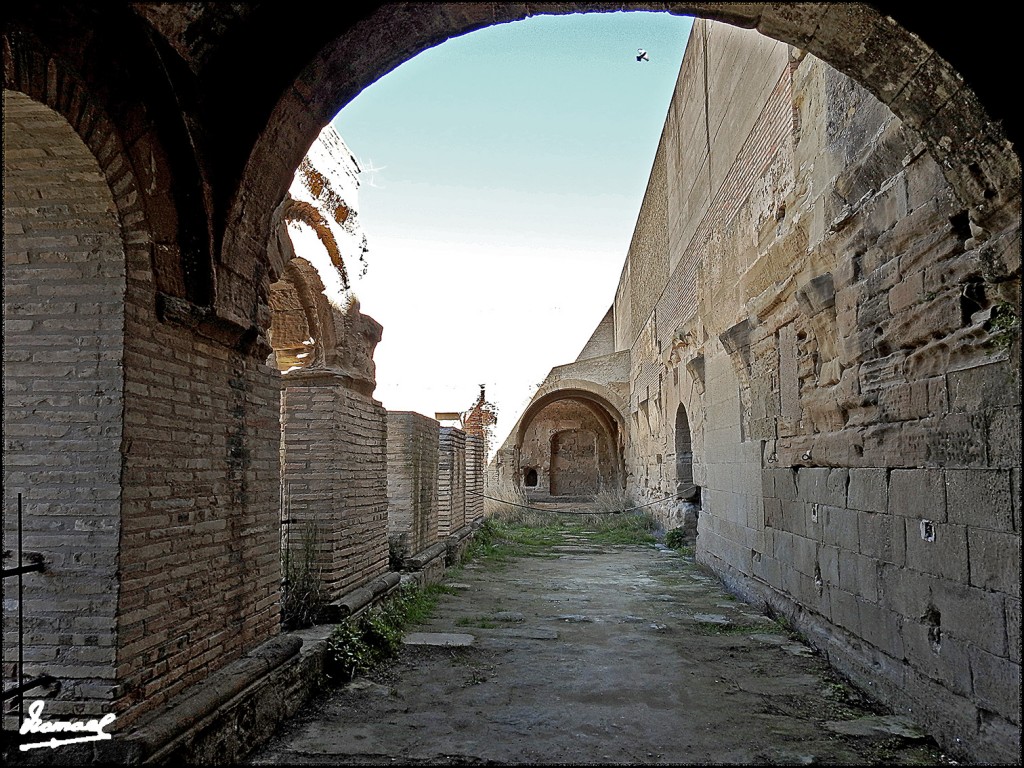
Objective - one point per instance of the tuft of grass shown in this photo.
(531, 533)
(302, 596)
(712, 628)
(503, 498)
(610, 502)
(624, 528)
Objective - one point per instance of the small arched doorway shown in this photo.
(685, 488)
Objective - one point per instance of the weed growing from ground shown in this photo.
(504, 497)
(359, 643)
(302, 594)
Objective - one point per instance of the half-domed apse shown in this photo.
(570, 448)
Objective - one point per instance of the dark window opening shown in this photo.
(530, 479)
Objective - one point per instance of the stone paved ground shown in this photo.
(626, 654)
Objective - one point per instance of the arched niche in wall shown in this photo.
(64, 281)
(570, 441)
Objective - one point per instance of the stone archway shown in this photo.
(893, 64)
(685, 488)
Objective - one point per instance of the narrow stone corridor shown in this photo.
(591, 654)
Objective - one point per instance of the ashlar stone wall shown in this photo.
(831, 323)
(805, 285)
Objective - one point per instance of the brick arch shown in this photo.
(142, 148)
(299, 210)
(64, 277)
(604, 399)
(573, 443)
(895, 65)
(299, 311)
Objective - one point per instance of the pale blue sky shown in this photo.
(503, 172)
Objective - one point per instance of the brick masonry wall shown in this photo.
(413, 441)
(335, 477)
(858, 466)
(451, 481)
(63, 350)
(475, 468)
(200, 549)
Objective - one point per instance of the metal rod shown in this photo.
(35, 682)
(21, 618)
(23, 569)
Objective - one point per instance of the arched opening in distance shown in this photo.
(569, 446)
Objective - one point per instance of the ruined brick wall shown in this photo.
(63, 352)
(837, 334)
(335, 477)
(475, 468)
(412, 482)
(451, 481)
(200, 545)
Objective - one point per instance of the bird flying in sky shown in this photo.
(641, 55)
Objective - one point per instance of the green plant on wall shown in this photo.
(1003, 325)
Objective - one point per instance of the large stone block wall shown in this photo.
(63, 352)
(334, 446)
(834, 327)
(412, 475)
(451, 481)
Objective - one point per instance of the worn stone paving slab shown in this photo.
(440, 639)
(646, 660)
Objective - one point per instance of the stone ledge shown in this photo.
(216, 722)
(456, 543)
(358, 599)
(421, 560)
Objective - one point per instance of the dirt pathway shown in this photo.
(597, 654)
